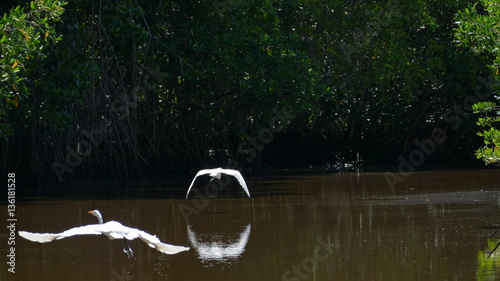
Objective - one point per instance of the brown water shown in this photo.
(431, 226)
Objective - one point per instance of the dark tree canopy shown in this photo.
(138, 88)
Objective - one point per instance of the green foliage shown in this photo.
(242, 63)
(478, 29)
(181, 81)
(24, 37)
(490, 153)
(383, 62)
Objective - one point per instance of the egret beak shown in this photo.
(90, 212)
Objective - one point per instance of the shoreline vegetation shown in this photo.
(137, 89)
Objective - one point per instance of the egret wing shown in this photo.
(239, 177)
(91, 229)
(201, 172)
(154, 242)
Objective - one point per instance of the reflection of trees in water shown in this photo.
(488, 262)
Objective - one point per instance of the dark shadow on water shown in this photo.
(431, 226)
(172, 188)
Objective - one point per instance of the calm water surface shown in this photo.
(429, 226)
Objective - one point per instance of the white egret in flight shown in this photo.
(216, 174)
(112, 229)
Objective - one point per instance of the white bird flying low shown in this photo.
(112, 229)
(216, 174)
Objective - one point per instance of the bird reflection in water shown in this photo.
(219, 247)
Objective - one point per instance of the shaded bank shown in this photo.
(142, 89)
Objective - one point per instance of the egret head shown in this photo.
(97, 214)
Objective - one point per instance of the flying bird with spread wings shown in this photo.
(217, 174)
(113, 230)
